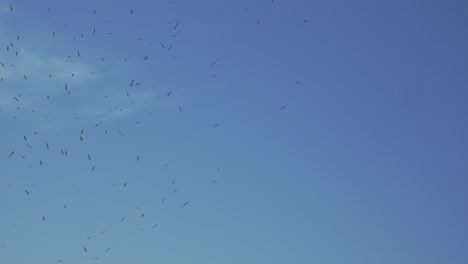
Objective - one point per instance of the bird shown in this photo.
(11, 154)
(86, 250)
(184, 204)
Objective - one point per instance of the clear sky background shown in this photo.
(297, 131)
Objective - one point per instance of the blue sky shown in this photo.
(297, 131)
